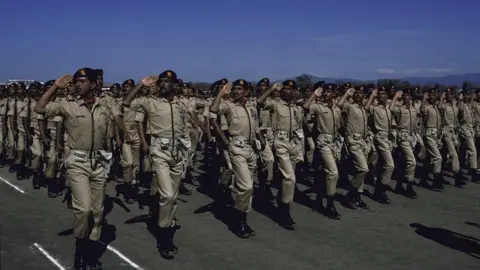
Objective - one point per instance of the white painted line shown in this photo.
(49, 257)
(123, 257)
(12, 185)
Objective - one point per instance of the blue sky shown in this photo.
(208, 40)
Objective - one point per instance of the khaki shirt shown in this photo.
(20, 106)
(161, 114)
(33, 115)
(355, 119)
(407, 117)
(466, 114)
(129, 115)
(86, 129)
(327, 118)
(285, 116)
(241, 120)
(449, 114)
(265, 118)
(3, 109)
(381, 118)
(432, 117)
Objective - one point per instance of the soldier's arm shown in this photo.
(314, 95)
(370, 100)
(264, 96)
(424, 103)
(347, 94)
(59, 135)
(218, 130)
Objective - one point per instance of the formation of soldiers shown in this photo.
(67, 133)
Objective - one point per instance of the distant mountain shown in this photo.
(445, 80)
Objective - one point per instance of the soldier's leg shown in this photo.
(410, 164)
(331, 178)
(20, 158)
(453, 156)
(265, 174)
(51, 169)
(421, 149)
(126, 161)
(471, 153)
(435, 158)
(37, 151)
(287, 172)
(357, 148)
(10, 144)
(384, 150)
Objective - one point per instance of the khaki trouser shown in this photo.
(2, 137)
(51, 164)
(288, 152)
(266, 158)
(36, 148)
(433, 144)
(243, 160)
(384, 149)
(194, 141)
(10, 141)
(167, 165)
(130, 156)
(450, 139)
(329, 156)
(87, 179)
(467, 137)
(359, 150)
(406, 144)
(21, 146)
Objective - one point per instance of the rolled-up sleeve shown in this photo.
(53, 109)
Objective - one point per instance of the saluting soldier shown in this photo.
(287, 122)
(406, 116)
(356, 131)
(89, 158)
(168, 126)
(432, 120)
(467, 120)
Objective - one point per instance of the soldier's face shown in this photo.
(83, 86)
(263, 87)
(328, 95)
(432, 97)
(406, 98)
(20, 90)
(238, 93)
(165, 88)
(127, 88)
(358, 96)
(382, 96)
(450, 96)
(287, 93)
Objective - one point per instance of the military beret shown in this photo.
(432, 90)
(290, 83)
(129, 82)
(36, 85)
(407, 91)
(48, 83)
(179, 81)
(370, 86)
(99, 72)
(319, 84)
(450, 90)
(330, 86)
(391, 87)
(168, 74)
(186, 85)
(219, 82)
(115, 85)
(241, 83)
(86, 72)
(21, 85)
(347, 85)
(265, 81)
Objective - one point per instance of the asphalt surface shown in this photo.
(35, 233)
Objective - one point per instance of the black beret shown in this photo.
(370, 86)
(450, 90)
(85, 72)
(219, 82)
(115, 85)
(290, 83)
(187, 85)
(128, 82)
(179, 81)
(319, 84)
(36, 85)
(21, 85)
(347, 85)
(407, 91)
(99, 72)
(240, 82)
(432, 90)
(168, 74)
(265, 81)
(48, 83)
(330, 86)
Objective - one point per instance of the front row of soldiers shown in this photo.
(375, 128)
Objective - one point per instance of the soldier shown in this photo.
(86, 122)
(420, 150)
(466, 118)
(11, 135)
(3, 124)
(168, 125)
(407, 116)
(381, 126)
(432, 120)
(449, 112)
(326, 117)
(19, 104)
(242, 130)
(287, 121)
(356, 131)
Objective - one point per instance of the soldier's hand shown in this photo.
(148, 81)
(350, 91)
(144, 148)
(63, 81)
(318, 92)
(399, 94)
(226, 89)
(375, 92)
(277, 86)
(154, 78)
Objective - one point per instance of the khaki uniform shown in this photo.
(266, 156)
(406, 116)
(467, 133)
(476, 111)
(18, 106)
(382, 126)
(242, 125)
(356, 131)
(328, 123)
(11, 147)
(288, 142)
(419, 131)
(36, 147)
(3, 114)
(87, 165)
(450, 138)
(51, 134)
(190, 105)
(167, 123)
(130, 155)
(432, 120)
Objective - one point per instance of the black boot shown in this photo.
(438, 182)
(184, 190)
(267, 193)
(68, 197)
(93, 255)
(240, 226)
(13, 167)
(52, 188)
(399, 188)
(60, 184)
(361, 203)
(410, 193)
(36, 180)
(330, 210)
(380, 195)
(79, 263)
(351, 200)
(459, 182)
(20, 171)
(165, 243)
(285, 219)
(127, 194)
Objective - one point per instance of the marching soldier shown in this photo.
(467, 120)
(168, 125)
(19, 104)
(3, 124)
(88, 162)
(432, 120)
(287, 121)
